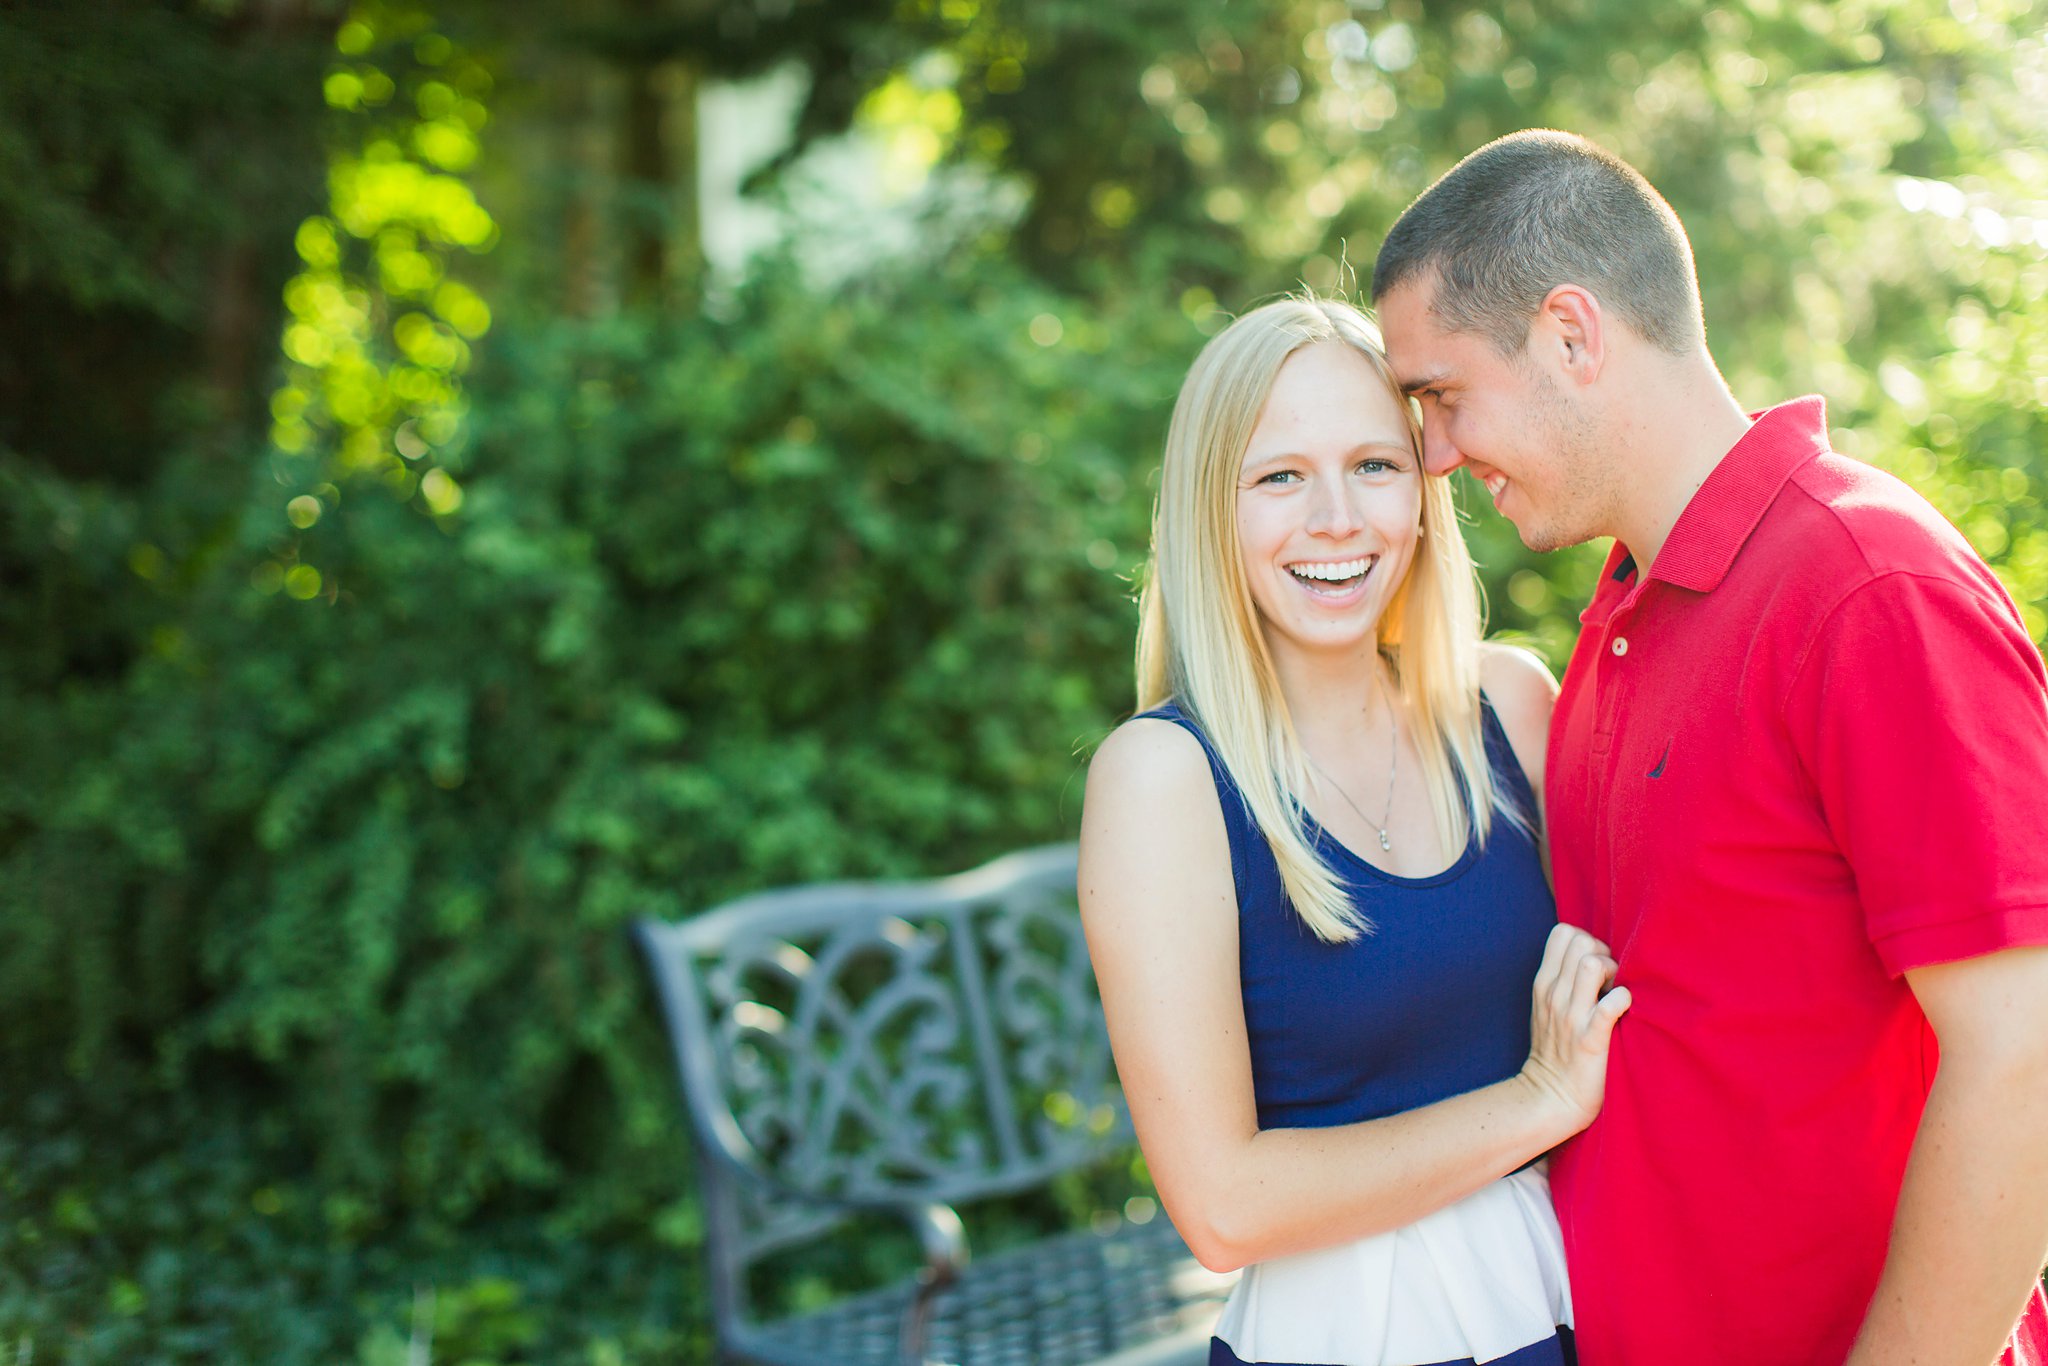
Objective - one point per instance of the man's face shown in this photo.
(1507, 419)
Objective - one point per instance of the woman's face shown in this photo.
(1329, 496)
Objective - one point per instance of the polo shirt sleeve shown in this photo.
(1921, 715)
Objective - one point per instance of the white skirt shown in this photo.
(1477, 1279)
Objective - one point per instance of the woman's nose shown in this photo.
(1336, 511)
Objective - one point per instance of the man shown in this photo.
(1798, 781)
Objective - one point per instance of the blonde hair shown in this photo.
(1199, 640)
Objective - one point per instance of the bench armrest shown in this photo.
(941, 1239)
(944, 1243)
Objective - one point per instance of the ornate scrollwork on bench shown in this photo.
(904, 1047)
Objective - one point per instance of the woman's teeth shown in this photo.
(1337, 574)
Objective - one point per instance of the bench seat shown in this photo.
(1073, 1299)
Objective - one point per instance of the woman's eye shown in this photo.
(1376, 466)
(1280, 476)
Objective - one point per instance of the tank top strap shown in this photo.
(1500, 753)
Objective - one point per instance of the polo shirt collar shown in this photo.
(1704, 541)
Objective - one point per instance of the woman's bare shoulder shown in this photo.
(1147, 754)
(1153, 843)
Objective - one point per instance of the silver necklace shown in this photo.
(1393, 765)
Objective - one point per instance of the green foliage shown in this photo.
(718, 614)
(731, 604)
(188, 1241)
(153, 158)
(1860, 183)
(340, 740)
(379, 333)
(118, 161)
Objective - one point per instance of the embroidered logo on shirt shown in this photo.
(1658, 771)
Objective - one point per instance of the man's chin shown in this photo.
(1543, 539)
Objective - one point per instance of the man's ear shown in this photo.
(1570, 333)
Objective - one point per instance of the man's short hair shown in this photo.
(1535, 210)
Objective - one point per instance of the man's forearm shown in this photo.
(1972, 1224)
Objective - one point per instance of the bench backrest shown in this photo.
(929, 1041)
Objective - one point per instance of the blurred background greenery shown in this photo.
(473, 471)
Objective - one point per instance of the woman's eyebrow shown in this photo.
(1272, 458)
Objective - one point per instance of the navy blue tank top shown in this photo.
(1432, 1003)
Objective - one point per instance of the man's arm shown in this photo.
(1971, 1231)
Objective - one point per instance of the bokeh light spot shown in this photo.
(302, 581)
(355, 37)
(442, 495)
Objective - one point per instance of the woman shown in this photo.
(1311, 890)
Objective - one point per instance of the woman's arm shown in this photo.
(1160, 912)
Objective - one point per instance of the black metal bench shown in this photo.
(902, 1048)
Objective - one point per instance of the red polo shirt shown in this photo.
(1807, 751)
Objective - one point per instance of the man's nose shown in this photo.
(1439, 454)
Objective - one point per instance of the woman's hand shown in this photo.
(1571, 1022)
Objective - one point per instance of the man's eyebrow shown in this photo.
(1429, 380)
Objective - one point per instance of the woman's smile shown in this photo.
(1335, 583)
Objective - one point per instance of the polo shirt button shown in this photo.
(1621, 645)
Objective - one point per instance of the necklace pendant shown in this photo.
(1386, 843)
